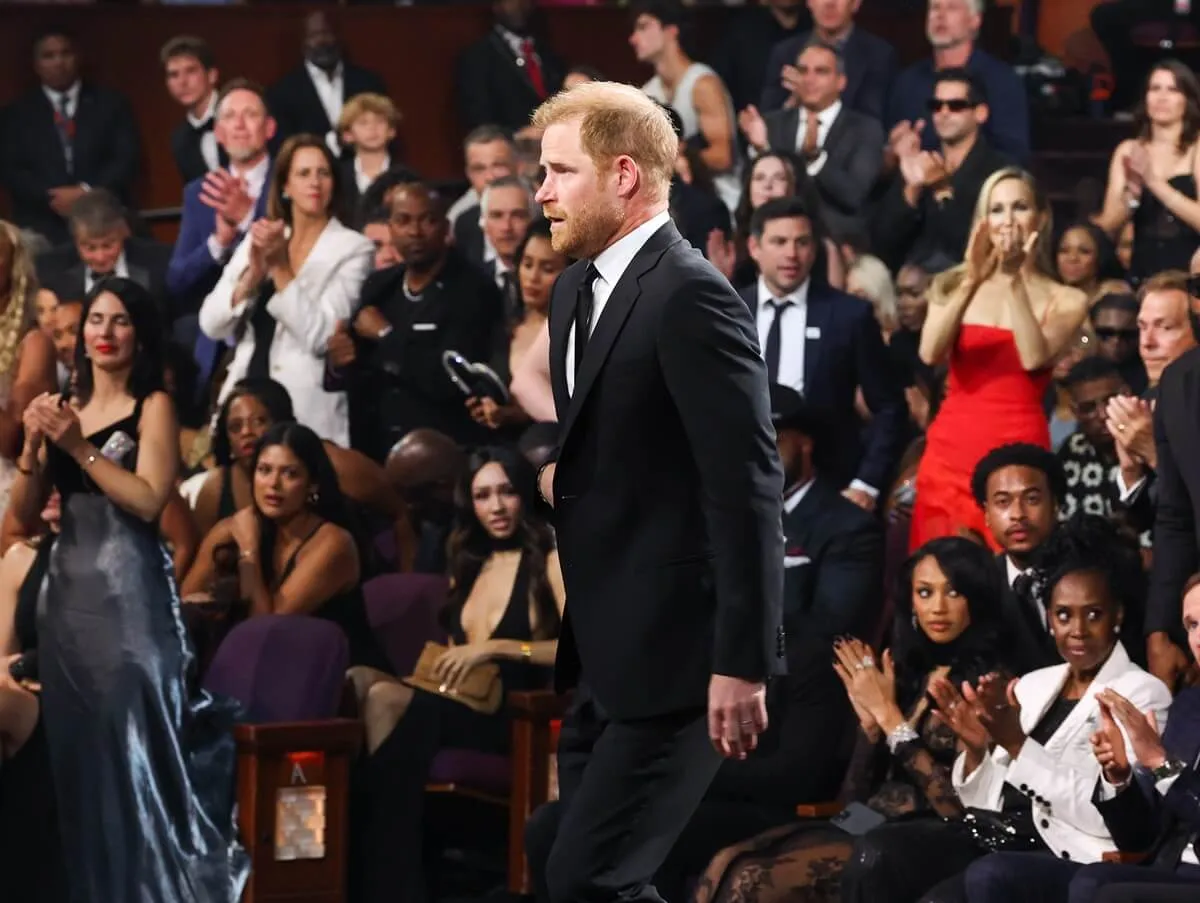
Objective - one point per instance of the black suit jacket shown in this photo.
(1177, 437)
(1142, 820)
(105, 154)
(61, 271)
(838, 590)
(855, 147)
(294, 103)
(1028, 644)
(843, 351)
(902, 233)
(871, 67)
(185, 148)
(668, 489)
(468, 235)
(494, 88)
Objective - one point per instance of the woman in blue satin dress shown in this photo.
(144, 770)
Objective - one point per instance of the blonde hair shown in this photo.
(16, 317)
(872, 275)
(369, 102)
(618, 120)
(947, 282)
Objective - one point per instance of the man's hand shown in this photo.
(226, 194)
(370, 322)
(1108, 746)
(860, 497)
(737, 714)
(546, 483)
(340, 350)
(1167, 661)
(754, 127)
(1141, 727)
(1131, 424)
(789, 77)
(63, 197)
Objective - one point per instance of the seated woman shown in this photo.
(296, 552)
(1026, 774)
(947, 625)
(1086, 259)
(538, 265)
(505, 606)
(252, 408)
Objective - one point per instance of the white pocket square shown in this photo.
(795, 561)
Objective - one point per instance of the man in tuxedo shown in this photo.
(841, 149)
(667, 492)
(63, 138)
(870, 61)
(825, 344)
(505, 211)
(310, 97)
(1019, 487)
(191, 72)
(103, 247)
(218, 210)
(490, 154)
(502, 77)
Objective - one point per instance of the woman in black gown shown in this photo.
(143, 770)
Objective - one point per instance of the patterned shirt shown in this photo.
(1091, 481)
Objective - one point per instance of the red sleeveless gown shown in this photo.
(991, 400)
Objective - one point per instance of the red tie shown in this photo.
(532, 67)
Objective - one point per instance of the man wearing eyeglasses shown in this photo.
(929, 210)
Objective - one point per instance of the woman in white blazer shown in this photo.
(1027, 747)
(288, 286)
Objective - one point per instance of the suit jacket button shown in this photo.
(1045, 823)
(1024, 788)
(1066, 855)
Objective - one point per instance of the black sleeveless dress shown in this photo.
(1162, 241)
(144, 772)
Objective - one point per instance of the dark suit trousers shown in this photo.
(1043, 878)
(627, 790)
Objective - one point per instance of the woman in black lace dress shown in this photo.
(946, 626)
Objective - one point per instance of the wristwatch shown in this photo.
(1168, 769)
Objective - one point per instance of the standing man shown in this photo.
(668, 503)
(191, 73)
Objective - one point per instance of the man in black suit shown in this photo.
(928, 211)
(504, 76)
(749, 39)
(390, 358)
(102, 247)
(1019, 487)
(871, 62)
(825, 344)
(63, 138)
(841, 149)
(310, 97)
(191, 72)
(505, 211)
(667, 491)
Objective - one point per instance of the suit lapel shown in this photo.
(138, 273)
(562, 312)
(313, 99)
(836, 131)
(817, 324)
(504, 51)
(616, 310)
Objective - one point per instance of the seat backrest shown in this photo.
(403, 611)
(282, 668)
(895, 554)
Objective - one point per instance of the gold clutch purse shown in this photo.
(480, 689)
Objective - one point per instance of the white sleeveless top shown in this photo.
(729, 184)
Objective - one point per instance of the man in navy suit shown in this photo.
(219, 208)
(870, 61)
(825, 344)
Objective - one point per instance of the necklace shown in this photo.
(409, 293)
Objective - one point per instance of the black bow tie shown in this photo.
(205, 126)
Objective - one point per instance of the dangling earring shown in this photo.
(285, 196)
(914, 620)
(314, 497)
(1117, 630)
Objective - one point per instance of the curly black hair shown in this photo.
(1018, 454)
(1088, 543)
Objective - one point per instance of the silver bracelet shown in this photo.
(901, 735)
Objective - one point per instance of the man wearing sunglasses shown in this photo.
(929, 210)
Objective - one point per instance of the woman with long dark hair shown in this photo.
(504, 609)
(1152, 180)
(296, 545)
(136, 760)
(947, 626)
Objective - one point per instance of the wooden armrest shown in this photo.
(1125, 858)
(536, 705)
(819, 810)
(337, 735)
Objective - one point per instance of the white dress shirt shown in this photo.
(825, 121)
(793, 326)
(71, 95)
(208, 141)
(256, 180)
(611, 264)
(362, 180)
(795, 497)
(330, 88)
(120, 270)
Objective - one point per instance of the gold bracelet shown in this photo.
(526, 651)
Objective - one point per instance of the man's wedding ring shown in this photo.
(749, 721)
(1121, 427)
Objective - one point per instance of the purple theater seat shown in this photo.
(385, 547)
(403, 609)
(477, 770)
(282, 668)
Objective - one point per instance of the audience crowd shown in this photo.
(989, 423)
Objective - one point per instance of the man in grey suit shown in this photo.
(842, 150)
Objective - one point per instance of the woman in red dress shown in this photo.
(1002, 321)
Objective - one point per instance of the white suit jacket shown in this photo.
(325, 291)
(1060, 777)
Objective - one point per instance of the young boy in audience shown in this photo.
(367, 124)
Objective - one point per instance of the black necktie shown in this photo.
(774, 341)
(584, 302)
(204, 127)
(512, 298)
(1027, 601)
